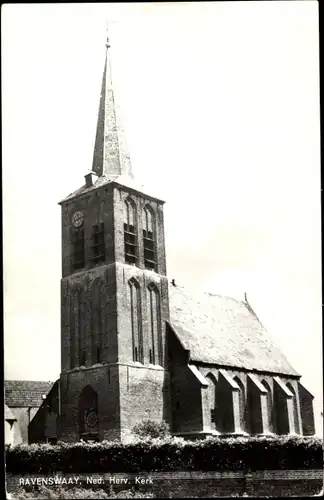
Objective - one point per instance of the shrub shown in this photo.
(169, 454)
(151, 429)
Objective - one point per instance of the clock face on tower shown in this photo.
(77, 219)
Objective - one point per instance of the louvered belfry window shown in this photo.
(130, 240)
(98, 242)
(149, 239)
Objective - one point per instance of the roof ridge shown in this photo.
(205, 292)
(25, 380)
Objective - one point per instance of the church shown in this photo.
(136, 345)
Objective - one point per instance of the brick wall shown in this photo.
(144, 388)
(306, 410)
(97, 206)
(104, 380)
(186, 395)
(143, 394)
(24, 415)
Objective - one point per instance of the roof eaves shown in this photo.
(229, 379)
(198, 361)
(283, 387)
(194, 370)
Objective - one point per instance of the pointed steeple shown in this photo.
(110, 157)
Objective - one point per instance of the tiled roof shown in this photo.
(224, 331)
(8, 415)
(27, 393)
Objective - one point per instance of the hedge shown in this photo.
(170, 454)
(72, 493)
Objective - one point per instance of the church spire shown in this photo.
(110, 157)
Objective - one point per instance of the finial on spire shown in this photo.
(107, 35)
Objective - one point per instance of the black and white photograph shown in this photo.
(162, 250)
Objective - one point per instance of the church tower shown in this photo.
(114, 294)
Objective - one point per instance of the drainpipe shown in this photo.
(28, 411)
(59, 397)
(58, 418)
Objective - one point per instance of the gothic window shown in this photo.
(82, 358)
(80, 330)
(98, 243)
(77, 248)
(96, 320)
(269, 403)
(295, 409)
(130, 240)
(154, 321)
(149, 238)
(75, 328)
(136, 319)
(242, 402)
(212, 399)
(73, 309)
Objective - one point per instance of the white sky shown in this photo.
(221, 109)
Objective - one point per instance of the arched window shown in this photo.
(76, 328)
(212, 399)
(88, 414)
(154, 322)
(73, 325)
(96, 321)
(295, 409)
(269, 404)
(149, 238)
(136, 319)
(81, 336)
(242, 402)
(130, 240)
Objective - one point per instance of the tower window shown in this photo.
(154, 323)
(98, 355)
(77, 248)
(98, 242)
(136, 319)
(148, 237)
(83, 358)
(130, 242)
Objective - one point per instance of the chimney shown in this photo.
(90, 179)
(173, 282)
